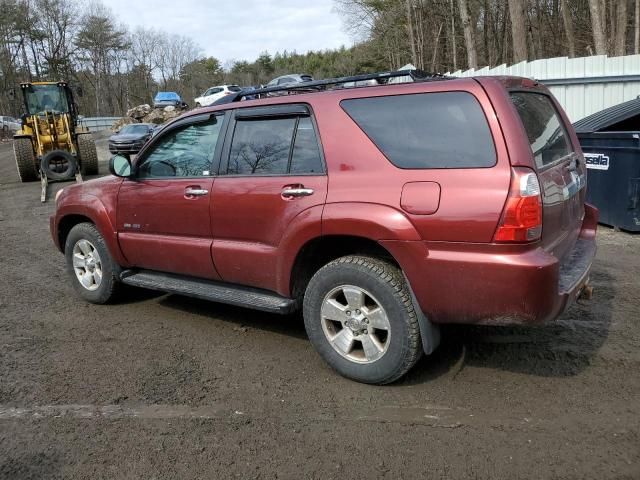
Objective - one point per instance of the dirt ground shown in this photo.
(166, 387)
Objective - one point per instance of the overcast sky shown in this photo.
(240, 30)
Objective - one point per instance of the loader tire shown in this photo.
(25, 159)
(59, 165)
(88, 154)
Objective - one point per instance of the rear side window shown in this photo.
(234, 88)
(547, 136)
(427, 130)
(275, 146)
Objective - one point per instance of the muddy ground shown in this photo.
(166, 387)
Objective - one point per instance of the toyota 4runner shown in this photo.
(379, 212)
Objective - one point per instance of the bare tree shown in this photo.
(597, 25)
(469, 34)
(568, 28)
(621, 28)
(518, 30)
(412, 41)
(636, 43)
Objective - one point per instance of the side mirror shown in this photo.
(120, 166)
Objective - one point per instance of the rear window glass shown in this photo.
(547, 136)
(234, 88)
(427, 130)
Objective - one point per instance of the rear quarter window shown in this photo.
(426, 130)
(545, 132)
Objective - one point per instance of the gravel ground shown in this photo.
(166, 387)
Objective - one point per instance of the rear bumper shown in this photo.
(495, 284)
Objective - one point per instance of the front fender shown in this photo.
(91, 206)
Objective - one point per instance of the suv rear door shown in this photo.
(272, 173)
(560, 167)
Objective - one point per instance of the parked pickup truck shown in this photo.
(379, 212)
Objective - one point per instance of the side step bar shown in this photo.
(209, 290)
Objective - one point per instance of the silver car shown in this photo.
(9, 124)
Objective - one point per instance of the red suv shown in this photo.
(380, 212)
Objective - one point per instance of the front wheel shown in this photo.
(359, 316)
(93, 272)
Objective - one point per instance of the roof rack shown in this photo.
(314, 86)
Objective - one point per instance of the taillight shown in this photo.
(521, 219)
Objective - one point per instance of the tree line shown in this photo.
(447, 35)
(117, 67)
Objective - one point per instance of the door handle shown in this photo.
(195, 192)
(296, 192)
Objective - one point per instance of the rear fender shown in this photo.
(368, 220)
(302, 229)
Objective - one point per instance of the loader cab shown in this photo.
(44, 98)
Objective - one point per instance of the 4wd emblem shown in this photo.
(597, 161)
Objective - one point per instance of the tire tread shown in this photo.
(113, 283)
(88, 154)
(393, 277)
(25, 159)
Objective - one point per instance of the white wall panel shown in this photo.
(579, 99)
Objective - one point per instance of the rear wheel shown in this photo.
(359, 316)
(25, 159)
(88, 154)
(93, 272)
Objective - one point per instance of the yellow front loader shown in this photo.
(50, 145)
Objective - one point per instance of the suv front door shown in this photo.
(272, 174)
(163, 212)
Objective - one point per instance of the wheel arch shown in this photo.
(319, 251)
(65, 225)
(88, 208)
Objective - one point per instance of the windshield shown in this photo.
(138, 129)
(46, 98)
(161, 96)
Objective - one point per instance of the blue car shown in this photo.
(166, 99)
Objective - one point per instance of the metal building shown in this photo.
(582, 85)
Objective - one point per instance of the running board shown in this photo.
(209, 290)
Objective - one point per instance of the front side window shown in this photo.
(275, 146)
(184, 152)
(426, 130)
(546, 133)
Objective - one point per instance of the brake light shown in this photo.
(521, 219)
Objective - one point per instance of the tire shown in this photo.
(393, 329)
(88, 154)
(198, 105)
(84, 243)
(25, 159)
(69, 169)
